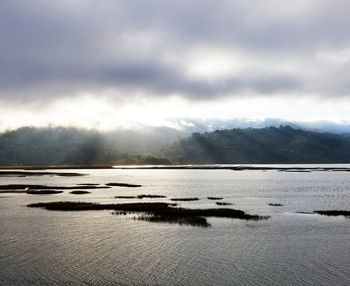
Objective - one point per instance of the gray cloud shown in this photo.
(58, 48)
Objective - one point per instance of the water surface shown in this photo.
(39, 247)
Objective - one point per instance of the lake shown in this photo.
(292, 247)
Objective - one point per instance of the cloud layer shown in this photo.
(197, 50)
(55, 48)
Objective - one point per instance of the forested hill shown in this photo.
(65, 146)
(266, 145)
(62, 146)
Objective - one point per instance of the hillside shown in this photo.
(266, 145)
(58, 146)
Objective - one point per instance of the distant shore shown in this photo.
(50, 167)
(233, 167)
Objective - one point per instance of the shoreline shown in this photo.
(233, 167)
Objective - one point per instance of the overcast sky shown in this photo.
(110, 63)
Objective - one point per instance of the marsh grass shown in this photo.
(32, 174)
(193, 221)
(334, 213)
(86, 206)
(154, 212)
(43, 192)
(141, 197)
(123, 185)
(79, 192)
(215, 198)
(44, 187)
(150, 196)
(184, 199)
(223, 203)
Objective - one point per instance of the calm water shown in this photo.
(39, 247)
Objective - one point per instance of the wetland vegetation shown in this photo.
(77, 192)
(214, 198)
(14, 173)
(223, 203)
(123, 185)
(43, 192)
(184, 199)
(153, 212)
(45, 187)
(333, 213)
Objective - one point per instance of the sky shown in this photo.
(110, 64)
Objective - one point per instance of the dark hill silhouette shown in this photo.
(64, 146)
(266, 145)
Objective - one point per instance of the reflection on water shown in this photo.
(39, 247)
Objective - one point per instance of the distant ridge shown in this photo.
(64, 146)
(272, 145)
(71, 146)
